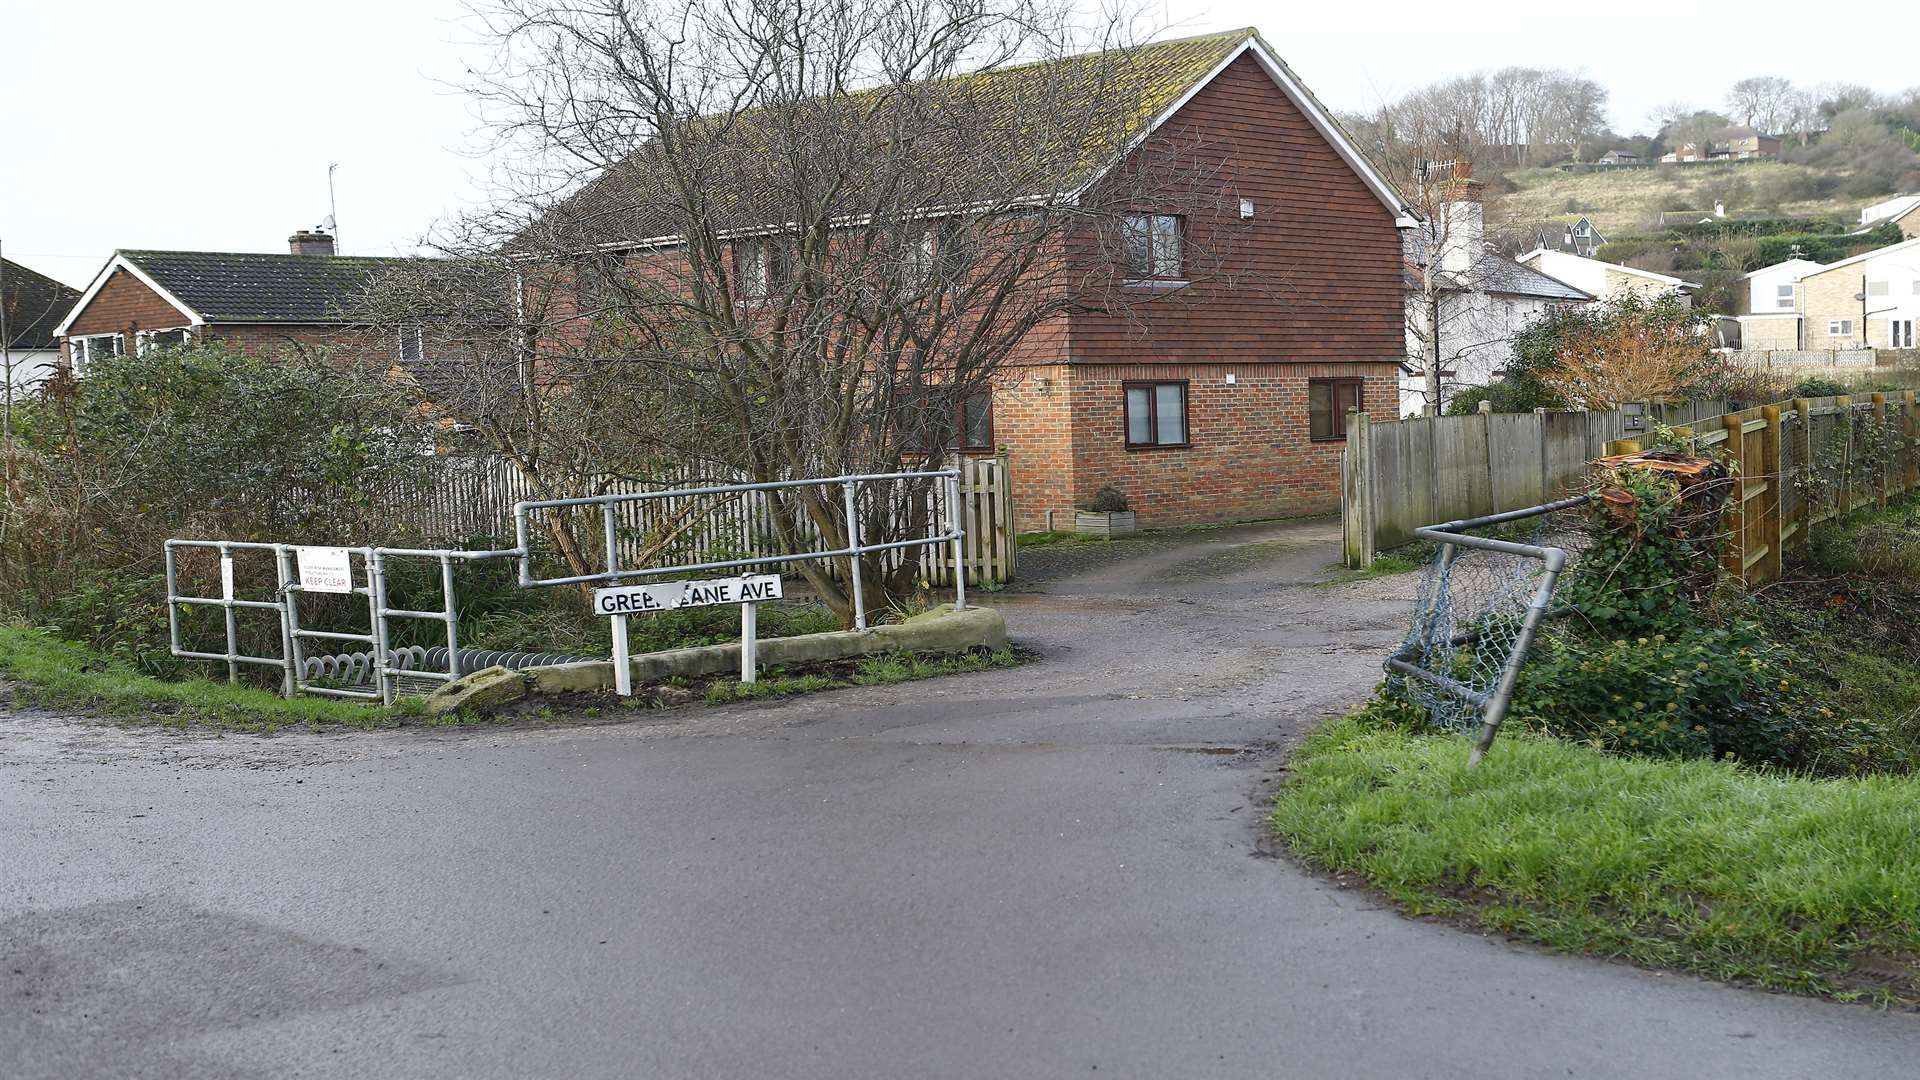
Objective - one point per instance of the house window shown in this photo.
(1878, 288)
(1839, 327)
(1153, 247)
(1900, 333)
(1156, 414)
(919, 256)
(1328, 403)
(759, 266)
(146, 341)
(973, 423)
(86, 350)
(1784, 293)
(413, 346)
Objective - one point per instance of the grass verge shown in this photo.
(49, 671)
(1809, 886)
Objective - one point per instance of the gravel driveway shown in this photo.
(1047, 871)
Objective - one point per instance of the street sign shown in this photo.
(620, 601)
(325, 569)
(667, 595)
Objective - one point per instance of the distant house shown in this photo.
(1618, 157)
(143, 300)
(1903, 210)
(1579, 238)
(1769, 307)
(1483, 301)
(33, 304)
(1869, 301)
(1605, 280)
(1728, 144)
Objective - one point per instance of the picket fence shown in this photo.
(467, 496)
(1796, 464)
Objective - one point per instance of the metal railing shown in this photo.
(370, 581)
(296, 673)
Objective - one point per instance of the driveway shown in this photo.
(1048, 871)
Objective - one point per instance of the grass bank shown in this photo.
(1809, 886)
(48, 671)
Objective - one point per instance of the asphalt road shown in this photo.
(1056, 870)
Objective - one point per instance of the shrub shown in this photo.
(1108, 500)
(1812, 388)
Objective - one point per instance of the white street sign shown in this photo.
(667, 595)
(325, 569)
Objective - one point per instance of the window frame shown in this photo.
(143, 339)
(1337, 417)
(1152, 386)
(80, 349)
(419, 345)
(1839, 327)
(1783, 297)
(958, 442)
(1900, 329)
(1129, 224)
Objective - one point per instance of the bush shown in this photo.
(1813, 388)
(1108, 500)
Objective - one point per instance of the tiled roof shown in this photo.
(35, 304)
(251, 287)
(1014, 106)
(1493, 273)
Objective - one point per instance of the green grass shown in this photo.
(1401, 560)
(50, 671)
(1796, 884)
(871, 671)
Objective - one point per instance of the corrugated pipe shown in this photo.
(356, 669)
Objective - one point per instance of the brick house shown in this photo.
(1871, 300)
(261, 302)
(31, 307)
(1232, 403)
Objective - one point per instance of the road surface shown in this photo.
(1050, 871)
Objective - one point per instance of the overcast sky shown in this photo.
(210, 125)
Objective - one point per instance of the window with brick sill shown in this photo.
(966, 429)
(1156, 415)
(1328, 403)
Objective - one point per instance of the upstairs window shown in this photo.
(1878, 288)
(1153, 244)
(1328, 403)
(1156, 414)
(1783, 295)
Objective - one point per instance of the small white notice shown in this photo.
(668, 595)
(325, 569)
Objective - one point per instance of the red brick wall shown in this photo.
(1030, 423)
(1250, 454)
(1315, 274)
(122, 306)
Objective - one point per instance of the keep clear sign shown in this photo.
(667, 595)
(325, 569)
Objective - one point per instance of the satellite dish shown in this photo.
(327, 222)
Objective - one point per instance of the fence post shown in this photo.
(1880, 467)
(1803, 460)
(1771, 529)
(1909, 457)
(1734, 552)
(1357, 514)
(1843, 488)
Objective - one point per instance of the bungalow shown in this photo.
(1605, 280)
(31, 307)
(143, 300)
(1903, 210)
(1230, 404)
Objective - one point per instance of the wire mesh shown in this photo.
(1468, 614)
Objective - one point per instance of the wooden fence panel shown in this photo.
(1516, 463)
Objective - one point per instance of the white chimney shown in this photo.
(1460, 219)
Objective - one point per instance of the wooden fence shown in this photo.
(1796, 463)
(469, 497)
(1400, 475)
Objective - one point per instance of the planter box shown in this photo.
(1094, 523)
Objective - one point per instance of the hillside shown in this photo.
(1630, 200)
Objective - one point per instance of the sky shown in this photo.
(209, 124)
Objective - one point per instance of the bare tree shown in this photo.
(788, 239)
(1762, 102)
